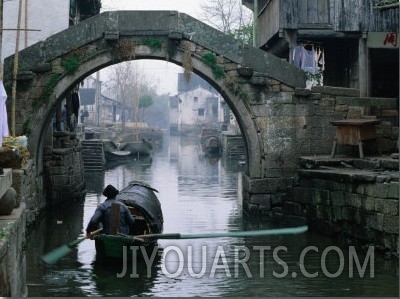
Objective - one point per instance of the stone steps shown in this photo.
(93, 155)
(233, 146)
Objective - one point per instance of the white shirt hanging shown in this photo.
(3, 114)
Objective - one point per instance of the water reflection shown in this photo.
(138, 280)
(196, 196)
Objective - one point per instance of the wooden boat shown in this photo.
(112, 156)
(137, 148)
(210, 141)
(143, 203)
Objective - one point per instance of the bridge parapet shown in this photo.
(168, 24)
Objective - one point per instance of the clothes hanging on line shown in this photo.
(308, 60)
(3, 114)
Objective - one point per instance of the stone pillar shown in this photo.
(260, 196)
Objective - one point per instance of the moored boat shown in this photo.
(112, 156)
(137, 148)
(210, 141)
(144, 205)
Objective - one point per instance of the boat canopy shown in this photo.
(141, 196)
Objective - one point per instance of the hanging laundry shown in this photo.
(307, 60)
(308, 64)
(3, 114)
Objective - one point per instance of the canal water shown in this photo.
(199, 195)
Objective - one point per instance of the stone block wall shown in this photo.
(26, 183)
(64, 174)
(359, 204)
(12, 254)
(295, 124)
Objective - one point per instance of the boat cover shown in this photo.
(141, 196)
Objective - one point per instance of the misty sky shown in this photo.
(190, 7)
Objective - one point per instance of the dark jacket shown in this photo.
(103, 215)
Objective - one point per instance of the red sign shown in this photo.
(390, 38)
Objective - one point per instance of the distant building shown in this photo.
(191, 110)
(355, 43)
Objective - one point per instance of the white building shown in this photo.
(195, 108)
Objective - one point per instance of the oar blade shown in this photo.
(53, 256)
(254, 233)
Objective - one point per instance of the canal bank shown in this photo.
(350, 198)
(12, 240)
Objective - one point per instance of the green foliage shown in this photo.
(145, 101)
(152, 43)
(211, 60)
(315, 79)
(244, 34)
(48, 90)
(70, 64)
(5, 231)
(218, 71)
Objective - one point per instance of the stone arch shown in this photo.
(113, 37)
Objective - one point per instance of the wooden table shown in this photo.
(354, 132)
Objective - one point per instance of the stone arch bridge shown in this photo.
(251, 81)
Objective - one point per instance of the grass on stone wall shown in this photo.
(230, 82)
(70, 64)
(47, 91)
(5, 231)
(211, 61)
(152, 43)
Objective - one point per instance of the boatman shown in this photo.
(103, 214)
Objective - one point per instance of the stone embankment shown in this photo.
(357, 199)
(12, 239)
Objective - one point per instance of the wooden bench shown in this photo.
(354, 132)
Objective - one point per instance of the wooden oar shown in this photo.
(252, 233)
(53, 256)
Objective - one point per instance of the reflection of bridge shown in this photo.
(278, 119)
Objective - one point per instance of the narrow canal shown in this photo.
(199, 195)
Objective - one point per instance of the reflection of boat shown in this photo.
(212, 158)
(210, 141)
(143, 203)
(108, 283)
